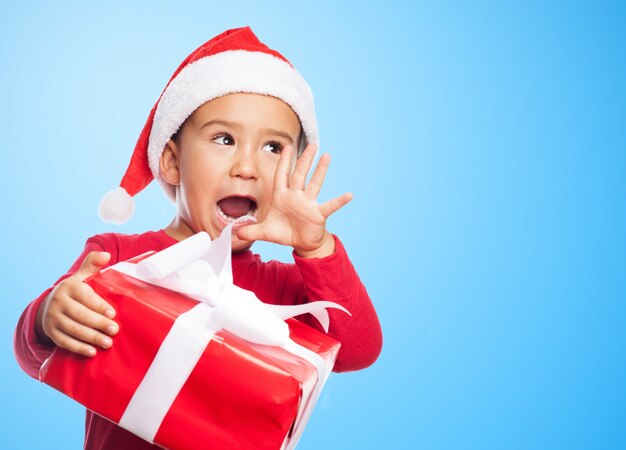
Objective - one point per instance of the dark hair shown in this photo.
(176, 136)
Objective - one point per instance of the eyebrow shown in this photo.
(225, 123)
(235, 125)
(278, 133)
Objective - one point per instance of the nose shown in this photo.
(245, 163)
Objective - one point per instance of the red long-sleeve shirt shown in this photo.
(332, 278)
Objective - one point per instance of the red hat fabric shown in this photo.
(234, 61)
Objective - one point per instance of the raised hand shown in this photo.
(296, 218)
(73, 316)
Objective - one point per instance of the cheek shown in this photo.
(199, 171)
(267, 172)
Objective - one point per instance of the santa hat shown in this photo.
(234, 61)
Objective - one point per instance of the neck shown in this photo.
(178, 229)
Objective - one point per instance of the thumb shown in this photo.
(92, 264)
(253, 232)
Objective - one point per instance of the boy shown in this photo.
(222, 141)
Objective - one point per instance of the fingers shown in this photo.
(73, 345)
(92, 311)
(92, 264)
(250, 233)
(331, 206)
(78, 319)
(317, 179)
(255, 232)
(281, 176)
(86, 296)
(298, 178)
(79, 338)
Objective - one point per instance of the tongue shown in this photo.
(235, 206)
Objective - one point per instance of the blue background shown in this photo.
(485, 145)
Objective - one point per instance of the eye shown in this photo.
(223, 139)
(273, 147)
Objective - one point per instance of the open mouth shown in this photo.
(232, 208)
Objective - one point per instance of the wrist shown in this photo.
(326, 248)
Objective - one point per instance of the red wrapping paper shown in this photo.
(240, 395)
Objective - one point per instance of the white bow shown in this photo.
(201, 269)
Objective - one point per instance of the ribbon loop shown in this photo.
(318, 309)
(201, 269)
(242, 313)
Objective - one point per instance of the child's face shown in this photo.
(223, 162)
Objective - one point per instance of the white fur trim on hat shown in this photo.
(116, 206)
(221, 74)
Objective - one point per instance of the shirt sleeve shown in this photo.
(333, 278)
(30, 352)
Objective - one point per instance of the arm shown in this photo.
(32, 345)
(29, 351)
(298, 220)
(334, 278)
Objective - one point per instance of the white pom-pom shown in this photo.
(116, 206)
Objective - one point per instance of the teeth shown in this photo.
(228, 218)
(221, 213)
(224, 216)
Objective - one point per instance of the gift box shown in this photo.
(198, 364)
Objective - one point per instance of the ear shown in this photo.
(168, 163)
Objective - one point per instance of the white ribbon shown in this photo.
(201, 269)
